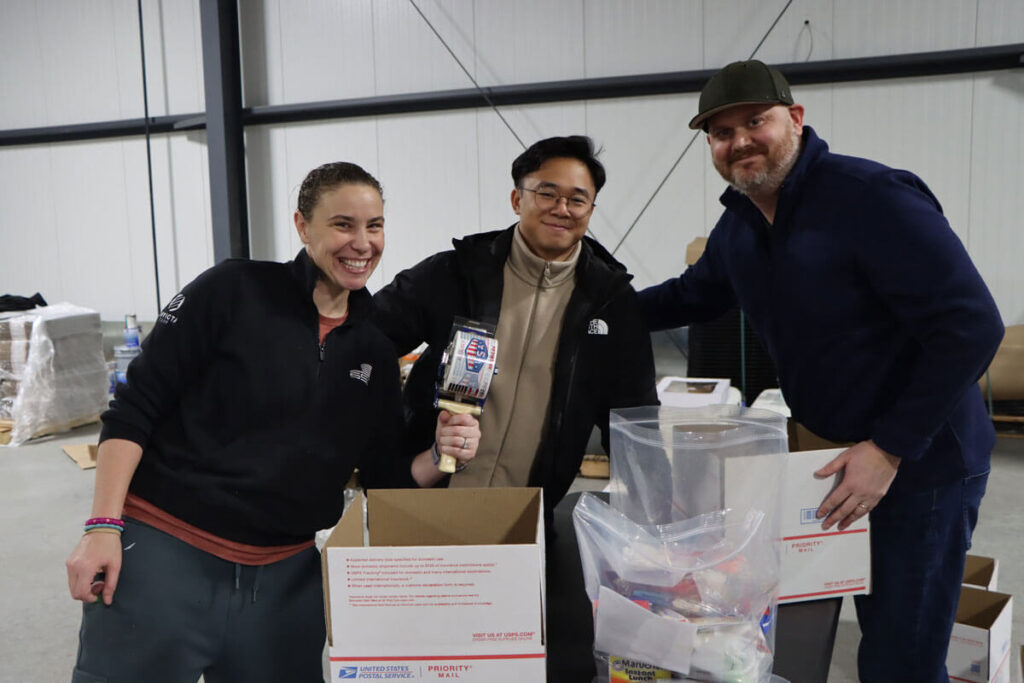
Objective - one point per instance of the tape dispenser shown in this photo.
(468, 365)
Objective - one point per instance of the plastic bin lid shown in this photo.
(714, 426)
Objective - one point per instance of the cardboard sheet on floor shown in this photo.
(84, 454)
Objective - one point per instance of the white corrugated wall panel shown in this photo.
(528, 41)
(622, 38)
(307, 50)
(734, 28)
(1000, 23)
(868, 28)
(408, 57)
(28, 196)
(643, 138)
(74, 62)
(88, 74)
(922, 125)
(428, 165)
(21, 66)
(996, 202)
(174, 56)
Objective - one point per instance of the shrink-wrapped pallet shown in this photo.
(52, 372)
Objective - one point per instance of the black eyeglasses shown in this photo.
(547, 199)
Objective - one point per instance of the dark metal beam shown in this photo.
(98, 130)
(800, 73)
(971, 60)
(222, 75)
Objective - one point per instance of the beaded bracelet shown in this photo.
(110, 524)
(105, 520)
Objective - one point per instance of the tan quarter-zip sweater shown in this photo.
(535, 295)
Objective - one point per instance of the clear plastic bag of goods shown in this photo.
(689, 600)
(53, 370)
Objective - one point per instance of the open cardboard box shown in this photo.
(982, 572)
(438, 584)
(979, 649)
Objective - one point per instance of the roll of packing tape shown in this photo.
(471, 360)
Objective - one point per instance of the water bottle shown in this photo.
(123, 355)
(131, 331)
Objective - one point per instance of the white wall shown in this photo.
(74, 219)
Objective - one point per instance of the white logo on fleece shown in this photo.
(362, 374)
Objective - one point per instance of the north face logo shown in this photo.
(597, 326)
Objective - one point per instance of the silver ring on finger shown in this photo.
(863, 507)
(465, 442)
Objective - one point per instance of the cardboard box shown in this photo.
(979, 649)
(981, 572)
(815, 563)
(695, 249)
(14, 326)
(692, 392)
(1005, 375)
(438, 584)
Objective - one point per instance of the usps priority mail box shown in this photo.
(816, 563)
(438, 584)
(979, 648)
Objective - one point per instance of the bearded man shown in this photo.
(879, 325)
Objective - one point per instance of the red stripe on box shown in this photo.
(539, 655)
(827, 533)
(813, 595)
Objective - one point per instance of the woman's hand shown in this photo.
(457, 436)
(96, 553)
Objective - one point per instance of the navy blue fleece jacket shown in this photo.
(876, 318)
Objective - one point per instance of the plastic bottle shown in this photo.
(131, 331)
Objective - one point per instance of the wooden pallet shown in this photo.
(1012, 422)
(6, 426)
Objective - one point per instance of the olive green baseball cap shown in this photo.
(750, 82)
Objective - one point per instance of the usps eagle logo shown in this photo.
(348, 672)
(476, 354)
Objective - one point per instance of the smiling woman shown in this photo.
(340, 219)
(228, 448)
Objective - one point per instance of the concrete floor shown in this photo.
(46, 497)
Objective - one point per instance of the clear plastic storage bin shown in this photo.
(669, 464)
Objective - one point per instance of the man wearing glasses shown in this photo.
(571, 342)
